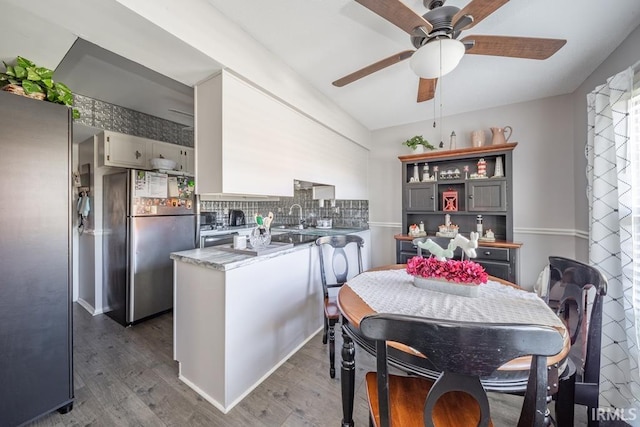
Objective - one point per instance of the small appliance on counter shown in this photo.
(208, 221)
(236, 218)
(324, 223)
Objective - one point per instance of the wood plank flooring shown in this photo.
(127, 377)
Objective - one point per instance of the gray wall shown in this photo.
(543, 174)
(550, 206)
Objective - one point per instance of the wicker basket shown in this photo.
(18, 90)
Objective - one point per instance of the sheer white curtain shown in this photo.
(612, 238)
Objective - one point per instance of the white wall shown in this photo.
(204, 28)
(543, 177)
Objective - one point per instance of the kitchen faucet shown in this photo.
(300, 215)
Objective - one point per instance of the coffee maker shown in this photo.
(236, 218)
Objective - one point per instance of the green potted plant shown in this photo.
(418, 144)
(26, 78)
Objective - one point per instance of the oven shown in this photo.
(216, 240)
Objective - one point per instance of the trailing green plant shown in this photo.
(34, 79)
(418, 140)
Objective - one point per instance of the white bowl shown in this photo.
(165, 164)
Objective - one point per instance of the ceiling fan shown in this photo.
(443, 24)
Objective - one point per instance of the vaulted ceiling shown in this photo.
(325, 40)
(322, 41)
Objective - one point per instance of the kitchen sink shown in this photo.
(295, 238)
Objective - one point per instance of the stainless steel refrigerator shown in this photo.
(36, 358)
(147, 215)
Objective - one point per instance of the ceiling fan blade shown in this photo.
(479, 9)
(394, 59)
(397, 13)
(426, 89)
(514, 47)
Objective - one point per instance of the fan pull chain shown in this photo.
(440, 100)
(434, 110)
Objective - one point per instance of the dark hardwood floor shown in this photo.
(127, 377)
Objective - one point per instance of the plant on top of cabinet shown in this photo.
(418, 143)
(27, 79)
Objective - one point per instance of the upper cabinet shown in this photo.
(248, 142)
(469, 184)
(128, 151)
(183, 156)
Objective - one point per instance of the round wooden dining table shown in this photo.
(510, 378)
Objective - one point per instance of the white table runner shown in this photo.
(392, 291)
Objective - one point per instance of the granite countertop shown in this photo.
(224, 260)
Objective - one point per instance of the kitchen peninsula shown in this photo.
(238, 317)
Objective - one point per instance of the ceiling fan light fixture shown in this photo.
(425, 62)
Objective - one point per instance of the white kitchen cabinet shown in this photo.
(117, 149)
(165, 150)
(187, 163)
(249, 142)
(183, 156)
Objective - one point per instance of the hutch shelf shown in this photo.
(466, 186)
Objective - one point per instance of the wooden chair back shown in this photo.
(569, 283)
(464, 352)
(337, 268)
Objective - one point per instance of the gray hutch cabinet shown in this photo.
(470, 185)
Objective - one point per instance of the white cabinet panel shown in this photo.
(122, 150)
(183, 156)
(258, 153)
(167, 151)
(249, 142)
(188, 160)
(128, 151)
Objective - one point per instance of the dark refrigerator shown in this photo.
(36, 367)
(147, 215)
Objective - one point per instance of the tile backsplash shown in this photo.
(102, 115)
(346, 213)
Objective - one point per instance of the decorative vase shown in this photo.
(260, 238)
(477, 138)
(419, 149)
(444, 286)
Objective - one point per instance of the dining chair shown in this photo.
(337, 255)
(574, 287)
(463, 352)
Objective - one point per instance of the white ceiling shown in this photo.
(325, 40)
(322, 40)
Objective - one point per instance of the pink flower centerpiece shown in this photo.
(443, 276)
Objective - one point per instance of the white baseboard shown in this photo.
(90, 308)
